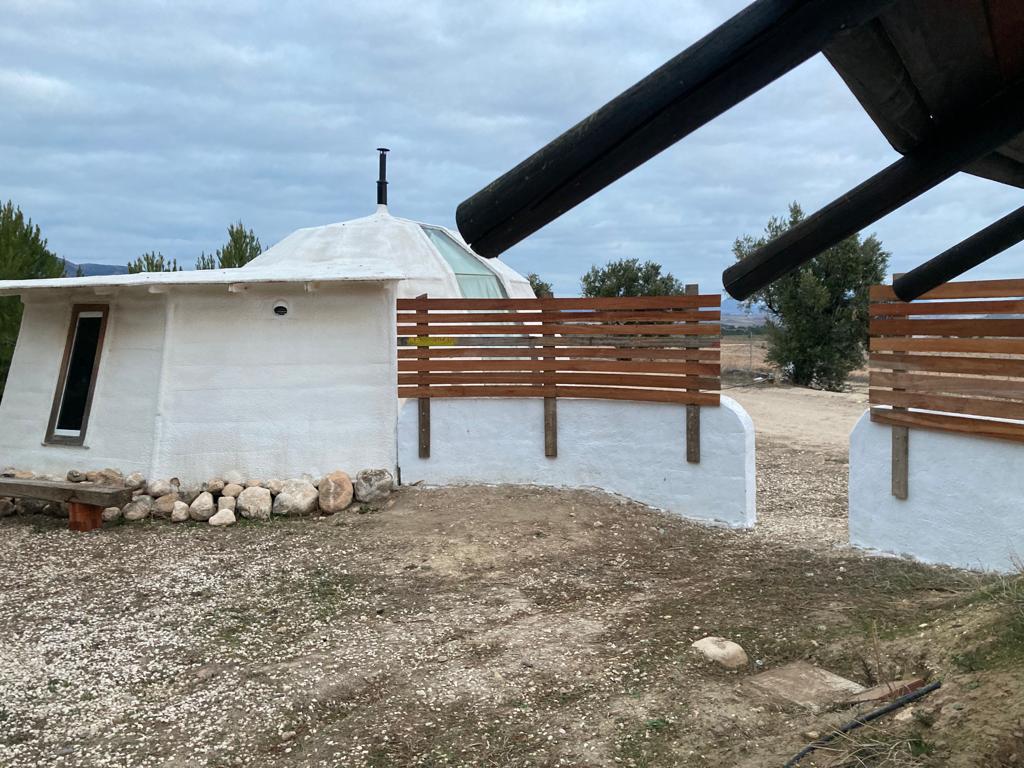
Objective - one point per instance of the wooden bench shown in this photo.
(85, 501)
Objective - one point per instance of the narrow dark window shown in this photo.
(77, 380)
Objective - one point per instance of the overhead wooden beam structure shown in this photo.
(973, 135)
(965, 255)
(746, 53)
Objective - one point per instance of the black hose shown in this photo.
(860, 720)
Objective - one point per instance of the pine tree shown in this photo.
(242, 247)
(23, 255)
(541, 288)
(153, 261)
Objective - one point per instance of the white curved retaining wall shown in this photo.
(965, 500)
(634, 449)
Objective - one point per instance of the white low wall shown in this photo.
(965, 500)
(634, 449)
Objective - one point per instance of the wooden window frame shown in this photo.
(76, 312)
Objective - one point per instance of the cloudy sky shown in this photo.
(130, 126)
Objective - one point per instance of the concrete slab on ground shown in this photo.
(806, 685)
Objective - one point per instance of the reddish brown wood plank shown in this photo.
(676, 316)
(549, 364)
(905, 309)
(992, 366)
(541, 377)
(977, 427)
(976, 289)
(924, 383)
(618, 353)
(596, 393)
(630, 302)
(980, 346)
(965, 327)
(605, 329)
(999, 409)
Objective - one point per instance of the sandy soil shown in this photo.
(803, 418)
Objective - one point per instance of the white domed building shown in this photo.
(281, 367)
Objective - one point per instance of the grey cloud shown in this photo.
(131, 126)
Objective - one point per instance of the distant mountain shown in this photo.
(89, 269)
(734, 313)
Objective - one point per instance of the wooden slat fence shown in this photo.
(658, 348)
(952, 360)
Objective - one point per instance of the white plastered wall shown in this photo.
(271, 396)
(120, 429)
(965, 500)
(634, 449)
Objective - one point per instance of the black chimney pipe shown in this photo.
(382, 182)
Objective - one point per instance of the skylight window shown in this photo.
(476, 279)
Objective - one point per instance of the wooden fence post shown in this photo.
(900, 468)
(692, 411)
(550, 399)
(423, 403)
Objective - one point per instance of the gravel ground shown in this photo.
(498, 626)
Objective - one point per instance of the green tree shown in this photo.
(818, 313)
(628, 277)
(153, 261)
(242, 247)
(23, 255)
(541, 288)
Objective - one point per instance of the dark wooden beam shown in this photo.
(952, 146)
(746, 53)
(965, 255)
(80, 493)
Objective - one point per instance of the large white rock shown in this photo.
(164, 506)
(224, 517)
(110, 514)
(274, 486)
(108, 476)
(214, 485)
(255, 503)
(158, 488)
(180, 512)
(138, 508)
(723, 652)
(297, 497)
(335, 492)
(373, 485)
(232, 490)
(227, 502)
(135, 481)
(202, 508)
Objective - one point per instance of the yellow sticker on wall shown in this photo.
(431, 341)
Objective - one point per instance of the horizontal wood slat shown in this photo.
(904, 309)
(652, 348)
(656, 381)
(966, 289)
(961, 327)
(602, 366)
(963, 424)
(594, 304)
(562, 353)
(600, 393)
(610, 329)
(992, 366)
(653, 316)
(958, 385)
(952, 360)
